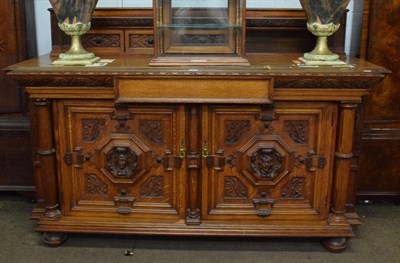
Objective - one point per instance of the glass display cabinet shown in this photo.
(199, 32)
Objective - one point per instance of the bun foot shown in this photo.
(335, 245)
(54, 239)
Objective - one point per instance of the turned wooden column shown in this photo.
(46, 153)
(193, 167)
(343, 155)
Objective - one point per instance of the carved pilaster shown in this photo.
(193, 159)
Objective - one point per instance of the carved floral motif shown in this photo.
(95, 186)
(140, 41)
(122, 161)
(266, 163)
(92, 128)
(153, 130)
(234, 188)
(101, 40)
(154, 187)
(294, 189)
(234, 130)
(297, 130)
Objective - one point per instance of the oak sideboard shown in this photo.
(262, 150)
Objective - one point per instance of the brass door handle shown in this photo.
(182, 150)
(204, 151)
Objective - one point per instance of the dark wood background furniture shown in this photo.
(130, 31)
(17, 42)
(261, 150)
(379, 162)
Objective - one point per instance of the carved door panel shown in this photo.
(268, 164)
(121, 160)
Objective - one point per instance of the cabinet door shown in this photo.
(120, 160)
(268, 164)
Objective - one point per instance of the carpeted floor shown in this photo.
(377, 240)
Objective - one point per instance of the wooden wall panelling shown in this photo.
(11, 51)
(379, 174)
(17, 42)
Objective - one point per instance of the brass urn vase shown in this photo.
(74, 19)
(322, 21)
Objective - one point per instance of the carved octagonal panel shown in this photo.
(123, 158)
(265, 159)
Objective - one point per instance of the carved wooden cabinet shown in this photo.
(263, 150)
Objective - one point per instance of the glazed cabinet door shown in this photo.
(120, 160)
(268, 163)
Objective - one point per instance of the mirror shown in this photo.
(199, 31)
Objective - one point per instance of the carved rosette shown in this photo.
(294, 189)
(95, 186)
(234, 188)
(92, 129)
(297, 130)
(153, 130)
(234, 130)
(122, 162)
(266, 163)
(154, 187)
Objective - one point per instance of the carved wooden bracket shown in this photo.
(216, 161)
(124, 203)
(267, 116)
(121, 115)
(170, 161)
(77, 157)
(263, 205)
(312, 161)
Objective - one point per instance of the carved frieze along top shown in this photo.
(281, 80)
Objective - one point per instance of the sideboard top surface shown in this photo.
(273, 65)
